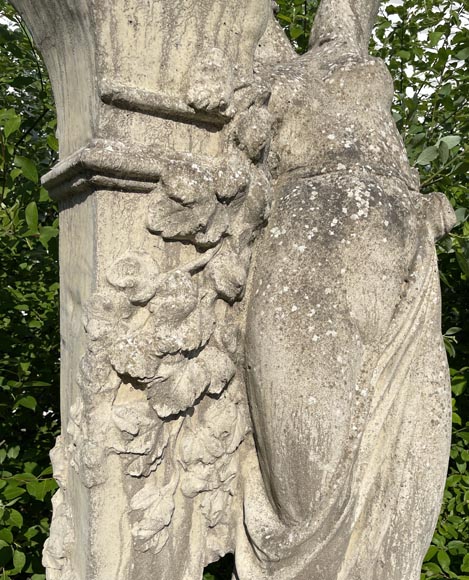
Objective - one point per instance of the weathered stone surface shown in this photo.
(250, 300)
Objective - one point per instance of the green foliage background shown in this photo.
(426, 45)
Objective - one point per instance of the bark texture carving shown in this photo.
(250, 300)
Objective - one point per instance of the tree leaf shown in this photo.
(12, 125)
(27, 402)
(443, 560)
(39, 489)
(451, 141)
(463, 54)
(19, 560)
(435, 37)
(32, 217)
(432, 550)
(443, 152)
(29, 168)
(427, 156)
(465, 564)
(6, 536)
(15, 519)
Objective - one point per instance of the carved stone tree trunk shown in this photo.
(234, 382)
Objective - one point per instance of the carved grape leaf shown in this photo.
(144, 464)
(96, 373)
(142, 433)
(146, 442)
(189, 335)
(136, 355)
(188, 183)
(228, 334)
(220, 367)
(192, 448)
(227, 423)
(92, 460)
(150, 445)
(176, 220)
(219, 472)
(216, 434)
(228, 275)
(134, 418)
(157, 508)
(130, 417)
(216, 226)
(84, 455)
(198, 478)
(178, 386)
(75, 420)
(59, 461)
(207, 444)
(215, 505)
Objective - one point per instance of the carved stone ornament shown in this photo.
(251, 346)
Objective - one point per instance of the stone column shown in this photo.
(161, 192)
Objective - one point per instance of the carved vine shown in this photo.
(163, 335)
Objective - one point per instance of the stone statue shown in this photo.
(250, 300)
(343, 347)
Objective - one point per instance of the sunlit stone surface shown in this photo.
(251, 348)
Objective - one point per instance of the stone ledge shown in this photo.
(158, 104)
(106, 165)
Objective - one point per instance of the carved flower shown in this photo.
(137, 275)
